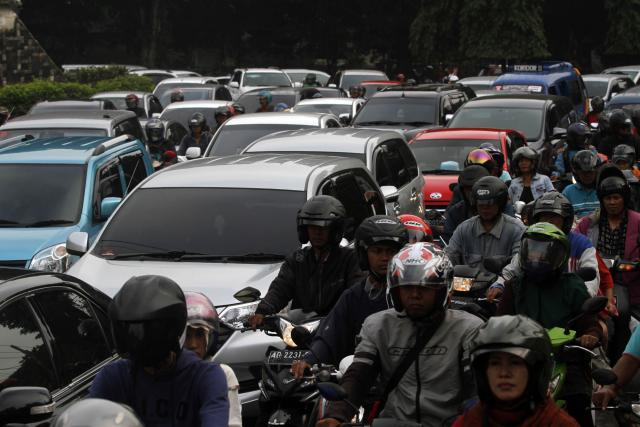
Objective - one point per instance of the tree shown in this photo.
(434, 33)
(623, 17)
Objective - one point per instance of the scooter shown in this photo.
(626, 408)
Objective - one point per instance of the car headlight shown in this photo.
(462, 284)
(235, 316)
(54, 258)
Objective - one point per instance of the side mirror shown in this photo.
(345, 119)
(193, 153)
(155, 115)
(594, 305)
(77, 243)
(559, 132)
(108, 206)
(332, 392)
(448, 117)
(604, 376)
(234, 85)
(390, 193)
(247, 294)
(301, 336)
(519, 206)
(25, 405)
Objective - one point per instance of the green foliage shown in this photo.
(127, 82)
(92, 75)
(433, 36)
(623, 17)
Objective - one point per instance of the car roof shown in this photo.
(460, 133)
(75, 119)
(304, 70)
(394, 92)
(327, 101)
(480, 79)
(534, 78)
(364, 71)
(150, 71)
(624, 67)
(67, 150)
(329, 140)
(603, 77)
(202, 79)
(262, 70)
(275, 118)
(513, 100)
(120, 93)
(209, 103)
(260, 171)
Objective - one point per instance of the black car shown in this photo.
(54, 333)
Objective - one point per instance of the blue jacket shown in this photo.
(584, 200)
(540, 184)
(195, 394)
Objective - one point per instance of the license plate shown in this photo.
(286, 357)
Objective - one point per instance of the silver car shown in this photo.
(246, 79)
(343, 108)
(218, 225)
(148, 101)
(385, 153)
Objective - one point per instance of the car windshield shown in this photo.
(266, 79)
(52, 132)
(433, 154)
(41, 195)
(169, 87)
(630, 73)
(527, 121)
(596, 88)
(211, 221)
(336, 109)
(190, 94)
(299, 77)
(233, 139)
(349, 80)
(401, 111)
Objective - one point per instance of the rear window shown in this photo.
(527, 121)
(596, 88)
(442, 155)
(266, 79)
(233, 139)
(380, 111)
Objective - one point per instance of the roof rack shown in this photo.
(113, 142)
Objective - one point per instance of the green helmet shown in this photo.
(544, 251)
(517, 335)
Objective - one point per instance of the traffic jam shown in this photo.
(286, 247)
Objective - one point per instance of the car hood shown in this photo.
(24, 243)
(436, 189)
(217, 280)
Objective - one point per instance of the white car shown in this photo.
(246, 79)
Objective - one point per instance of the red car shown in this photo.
(441, 154)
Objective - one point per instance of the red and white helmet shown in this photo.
(417, 228)
(201, 313)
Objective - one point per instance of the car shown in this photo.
(344, 79)
(343, 108)
(385, 153)
(286, 96)
(55, 186)
(534, 116)
(238, 210)
(441, 154)
(201, 93)
(606, 86)
(55, 334)
(147, 101)
(373, 86)
(74, 123)
(246, 79)
(478, 82)
(74, 67)
(168, 85)
(632, 71)
(53, 106)
(297, 75)
(186, 73)
(628, 100)
(181, 112)
(223, 80)
(156, 76)
(546, 78)
(238, 132)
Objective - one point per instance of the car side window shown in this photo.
(390, 166)
(108, 184)
(26, 359)
(154, 105)
(133, 168)
(409, 159)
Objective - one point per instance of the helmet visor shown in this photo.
(542, 254)
(478, 157)
(319, 222)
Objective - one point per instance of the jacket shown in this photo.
(194, 395)
(540, 184)
(189, 141)
(546, 414)
(310, 284)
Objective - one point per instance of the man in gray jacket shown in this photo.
(433, 385)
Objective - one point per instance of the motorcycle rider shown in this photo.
(463, 209)
(133, 102)
(498, 157)
(222, 114)
(577, 137)
(96, 413)
(551, 297)
(264, 100)
(310, 81)
(157, 145)
(419, 280)
(582, 194)
(620, 125)
(624, 156)
(177, 96)
(490, 232)
(377, 240)
(313, 277)
(528, 185)
(597, 107)
(417, 229)
(202, 335)
(148, 317)
(512, 366)
(199, 136)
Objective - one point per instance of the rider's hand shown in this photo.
(328, 422)
(602, 396)
(256, 320)
(493, 293)
(298, 367)
(612, 309)
(588, 341)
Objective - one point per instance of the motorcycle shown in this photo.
(626, 408)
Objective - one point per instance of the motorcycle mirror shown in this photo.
(604, 376)
(247, 294)
(301, 336)
(586, 273)
(594, 305)
(332, 392)
(519, 206)
(495, 264)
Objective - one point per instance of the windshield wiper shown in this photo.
(4, 222)
(49, 222)
(378, 123)
(232, 258)
(172, 255)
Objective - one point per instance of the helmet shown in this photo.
(378, 229)
(612, 181)
(577, 134)
(354, 91)
(471, 174)
(201, 313)
(177, 96)
(361, 91)
(517, 335)
(310, 78)
(222, 111)
(624, 152)
(323, 211)
(544, 252)
(597, 104)
(619, 120)
(97, 413)
(477, 156)
(239, 108)
(197, 120)
(495, 153)
(585, 161)
(155, 130)
(490, 190)
(524, 153)
(131, 100)
(148, 317)
(280, 106)
(557, 203)
(417, 229)
(420, 264)
(265, 94)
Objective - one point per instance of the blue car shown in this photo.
(547, 78)
(52, 187)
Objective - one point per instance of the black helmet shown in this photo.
(619, 120)
(222, 111)
(597, 104)
(471, 174)
(197, 119)
(524, 153)
(624, 152)
(148, 316)
(585, 161)
(323, 211)
(577, 134)
(557, 203)
(310, 78)
(177, 96)
(378, 229)
(239, 108)
(490, 190)
(155, 130)
(97, 413)
(131, 100)
(517, 335)
(496, 153)
(611, 180)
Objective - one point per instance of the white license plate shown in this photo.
(286, 356)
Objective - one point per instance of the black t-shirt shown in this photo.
(527, 195)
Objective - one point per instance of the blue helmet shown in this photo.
(265, 94)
